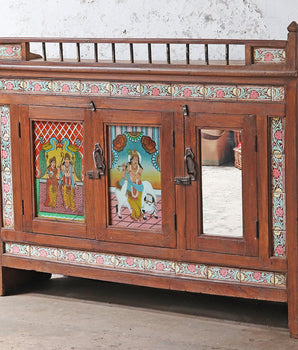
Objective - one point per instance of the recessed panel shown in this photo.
(135, 177)
(221, 182)
(58, 156)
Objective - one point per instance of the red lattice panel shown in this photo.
(59, 130)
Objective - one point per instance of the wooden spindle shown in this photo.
(227, 54)
(168, 54)
(206, 54)
(78, 52)
(95, 52)
(132, 60)
(187, 54)
(113, 53)
(44, 52)
(149, 53)
(61, 51)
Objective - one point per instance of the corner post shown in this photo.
(291, 180)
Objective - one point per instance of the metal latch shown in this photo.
(191, 168)
(99, 163)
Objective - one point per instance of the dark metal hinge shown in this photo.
(92, 106)
(22, 207)
(257, 229)
(185, 110)
(173, 139)
(19, 126)
(175, 221)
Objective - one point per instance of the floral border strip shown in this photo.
(11, 52)
(269, 55)
(6, 169)
(145, 90)
(278, 186)
(148, 265)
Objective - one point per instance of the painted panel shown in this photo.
(134, 177)
(10, 52)
(269, 55)
(278, 186)
(59, 170)
(6, 169)
(151, 266)
(242, 93)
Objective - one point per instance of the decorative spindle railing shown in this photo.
(37, 49)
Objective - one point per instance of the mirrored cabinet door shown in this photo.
(222, 200)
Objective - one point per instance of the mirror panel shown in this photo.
(221, 180)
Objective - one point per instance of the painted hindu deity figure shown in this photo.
(52, 175)
(67, 175)
(132, 172)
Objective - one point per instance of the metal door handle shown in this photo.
(99, 163)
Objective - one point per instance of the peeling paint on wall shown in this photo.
(241, 19)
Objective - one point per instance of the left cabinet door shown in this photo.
(53, 160)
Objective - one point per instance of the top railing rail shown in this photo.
(154, 51)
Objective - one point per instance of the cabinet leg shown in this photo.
(15, 280)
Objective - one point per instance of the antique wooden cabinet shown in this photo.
(171, 174)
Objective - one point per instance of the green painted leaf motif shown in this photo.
(42, 162)
(78, 165)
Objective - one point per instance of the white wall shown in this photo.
(148, 18)
(240, 19)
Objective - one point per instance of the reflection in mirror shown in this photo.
(221, 182)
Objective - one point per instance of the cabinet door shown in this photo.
(54, 142)
(135, 199)
(221, 204)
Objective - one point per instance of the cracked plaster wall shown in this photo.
(240, 19)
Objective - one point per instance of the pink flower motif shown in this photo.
(279, 212)
(220, 93)
(6, 188)
(43, 253)
(124, 90)
(160, 266)
(187, 92)
(254, 94)
(37, 87)
(9, 50)
(276, 173)
(3, 120)
(65, 88)
(9, 86)
(224, 272)
(15, 249)
(99, 260)
(71, 257)
(155, 91)
(130, 261)
(94, 89)
(279, 250)
(278, 135)
(257, 276)
(191, 267)
(268, 56)
(4, 154)
(7, 221)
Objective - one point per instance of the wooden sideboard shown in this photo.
(171, 174)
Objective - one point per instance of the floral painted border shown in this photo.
(148, 265)
(278, 186)
(10, 51)
(145, 90)
(269, 55)
(6, 169)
